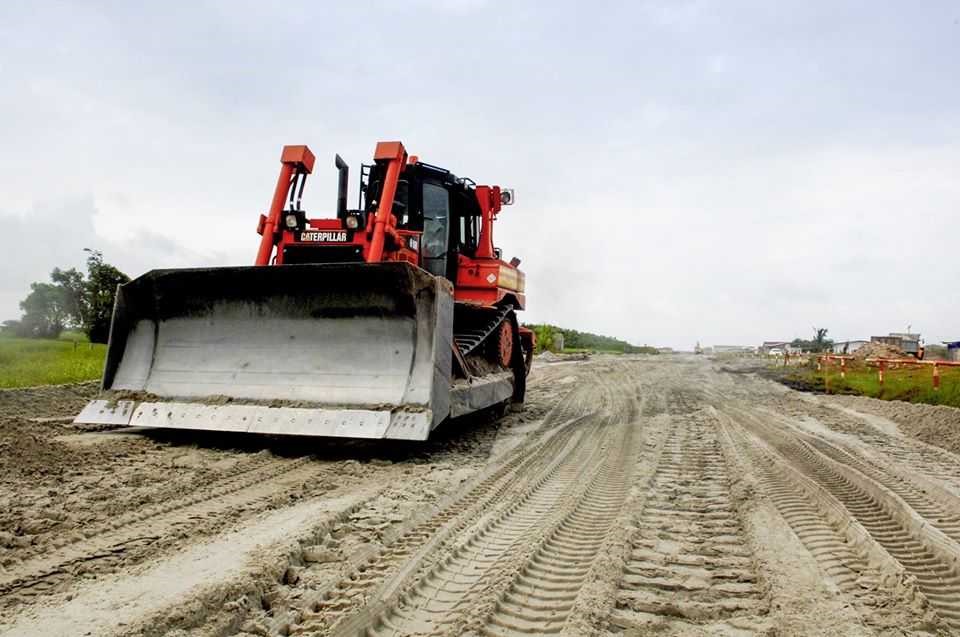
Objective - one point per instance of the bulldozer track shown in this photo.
(470, 339)
(940, 509)
(688, 558)
(106, 543)
(933, 462)
(441, 595)
(453, 517)
(541, 596)
(446, 595)
(935, 573)
(927, 460)
(832, 551)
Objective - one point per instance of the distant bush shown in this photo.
(583, 341)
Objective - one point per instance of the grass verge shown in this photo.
(25, 362)
(911, 384)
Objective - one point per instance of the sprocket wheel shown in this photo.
(504, 342)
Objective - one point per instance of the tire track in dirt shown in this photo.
(541, 597)
(432, 529)
(831, 550)
(924, 552)
(315, 592)
(268, 479)
(502, 537)
(942, 510)
(688, 559)
(446, 596)
(243, 474)
(494, 535)
(933, 462)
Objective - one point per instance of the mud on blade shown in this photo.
(358, 350)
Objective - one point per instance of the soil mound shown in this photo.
(878, 350)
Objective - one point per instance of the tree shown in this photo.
(71, 300)
(45, 311)
(820, 341)
(101, 290)
(75, 295)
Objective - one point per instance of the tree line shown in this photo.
(71, 300)
(819, 342)
(573, 339)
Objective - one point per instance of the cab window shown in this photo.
(436, 228)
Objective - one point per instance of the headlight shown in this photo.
(413, 243)
(291, 221)
(353, 222)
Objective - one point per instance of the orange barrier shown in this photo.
(882, 364)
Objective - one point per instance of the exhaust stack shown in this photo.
(342, 186)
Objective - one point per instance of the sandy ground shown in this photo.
(632, 496)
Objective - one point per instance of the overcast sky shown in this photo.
(728, 172)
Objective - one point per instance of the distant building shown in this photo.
(908, 343)
(778, 348)
(733, 349)
(953, 350)
(773, 348)
(848, 347)
(665, 350)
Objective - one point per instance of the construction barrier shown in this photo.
(883, 364)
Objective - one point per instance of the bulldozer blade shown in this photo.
(352, 349)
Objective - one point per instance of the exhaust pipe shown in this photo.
(342, 187)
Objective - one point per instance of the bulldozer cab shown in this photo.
(438, 204)
(435, 241)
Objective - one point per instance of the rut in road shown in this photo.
(940, 508)
(689, 558)
(447, 596)
(542, 595)
(418, 539)
(922, 458)
(936, 574)
(802, 511)
(263, 479)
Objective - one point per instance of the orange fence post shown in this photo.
(843, 368)
(880, 372)
(936, 377)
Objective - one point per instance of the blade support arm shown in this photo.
(396, 156)
(293, 160)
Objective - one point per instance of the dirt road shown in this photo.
(633, 496)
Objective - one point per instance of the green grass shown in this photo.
(25, 362)
(73, 335)
(911, 384)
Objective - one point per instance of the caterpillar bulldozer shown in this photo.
(379, 322)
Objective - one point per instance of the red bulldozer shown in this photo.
(379, 322)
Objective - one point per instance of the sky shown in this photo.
(722, 172)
